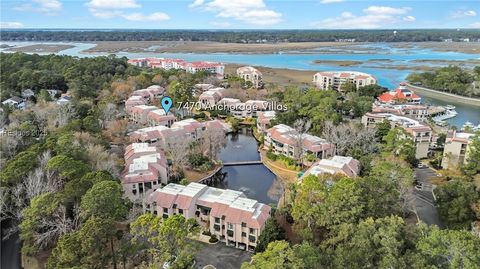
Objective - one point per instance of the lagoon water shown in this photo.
(381, 60)
(256, 181)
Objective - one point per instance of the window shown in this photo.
(230, 233)
(180, 211)
(252, 239)
(174, 206)
(244, 234)
(216, 227)
(252, 231)
(230, 226)
(244, 224)
(134, 186)
(165, 210)
(217, 220)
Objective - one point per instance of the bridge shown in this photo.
(242, 163)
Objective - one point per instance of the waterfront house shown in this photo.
(401, 95)
(230, 215)
(146, 169)
(157, 135)
(217, 69)
(212, 67)
(334, 80)
(347, 166)
(457, 146)
(251, 74)
(285, 140)
(415, 111)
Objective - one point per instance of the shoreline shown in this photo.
(445, 96)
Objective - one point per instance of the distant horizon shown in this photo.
(243, 29)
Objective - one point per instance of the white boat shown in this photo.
(450, 107)
(441, 123)
(468, 125)
(448, 114)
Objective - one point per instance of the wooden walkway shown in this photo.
(242, 163)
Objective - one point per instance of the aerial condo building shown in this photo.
(335, 80)
(230, 215)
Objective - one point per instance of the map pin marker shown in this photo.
(166, 104)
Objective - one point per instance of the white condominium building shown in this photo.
(251, 74)
(335, 80)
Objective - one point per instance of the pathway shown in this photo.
(448, 96)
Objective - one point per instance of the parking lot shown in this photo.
(424, 202)
(221, 256)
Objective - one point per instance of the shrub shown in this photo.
(213, 239)
(272, 156)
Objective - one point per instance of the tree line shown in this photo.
(241, 36)
(451, 79)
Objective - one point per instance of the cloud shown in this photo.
(253, 12)
(196, 3)
(157, 16)
(379, 10)
(47, 7)
(11, 24)
(475, 25)
(330, 1)
(463, 13)
(108, 9)
(373, 17)
(113, 4)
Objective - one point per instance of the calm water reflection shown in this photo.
(256, 181)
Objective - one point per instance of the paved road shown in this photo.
(221, 256)
(424, 202)
(10, 253)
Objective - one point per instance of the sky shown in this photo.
(239, 14)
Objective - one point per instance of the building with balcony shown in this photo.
(263, 121)
(335, 80)
(285, 140)
(146, 169)
(184, 130)
(456, 149)
(420, 133)
(230, 215)
(217, 69)
(211, 97)
(251, 74)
